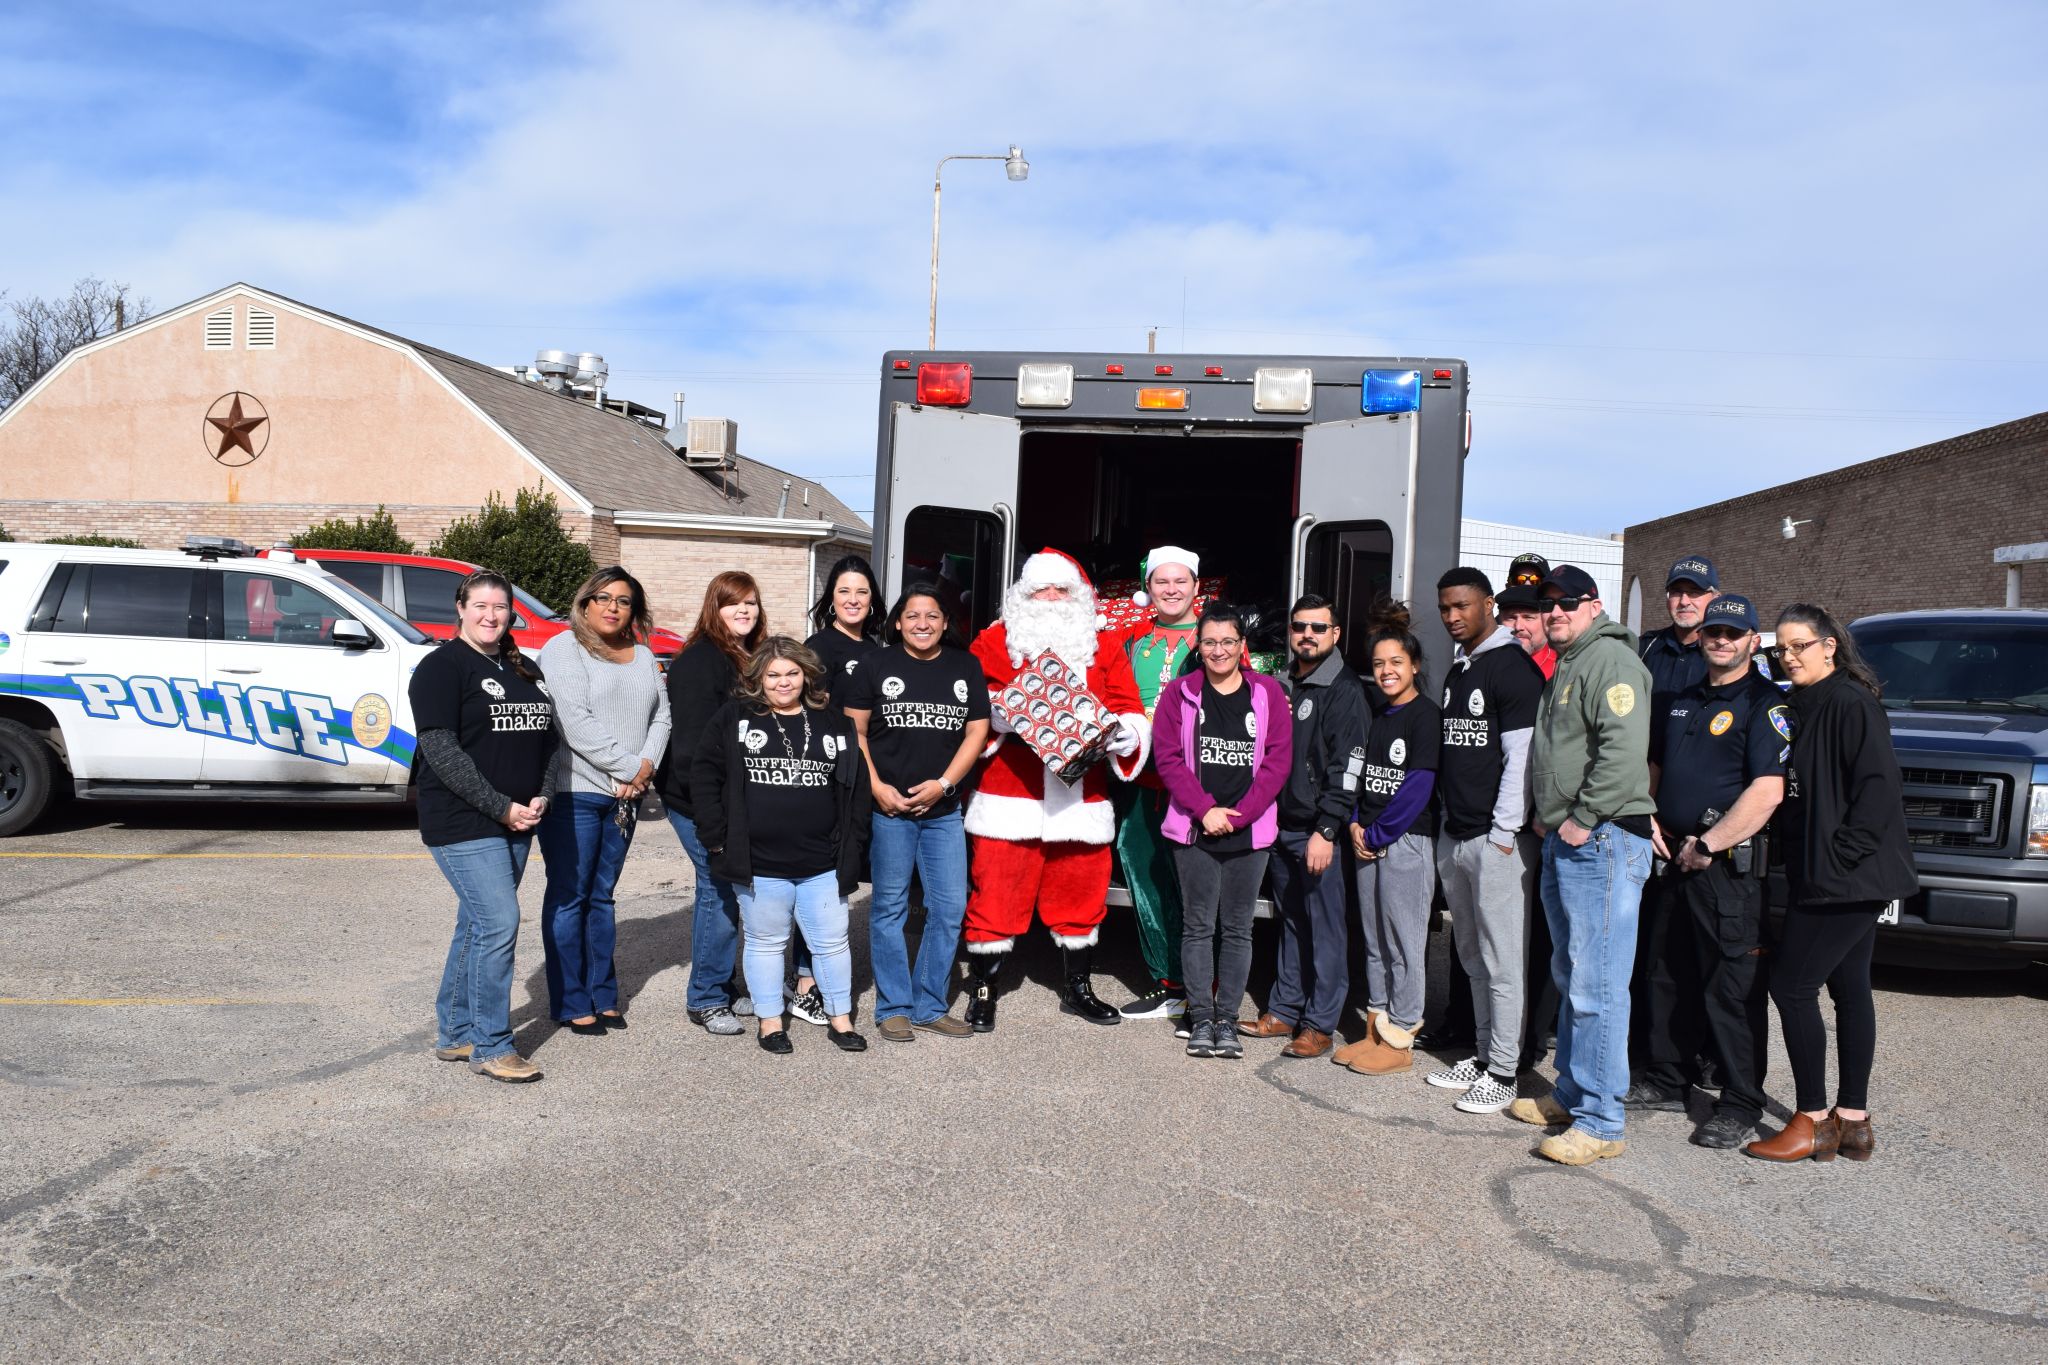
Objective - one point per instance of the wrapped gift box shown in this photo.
(1118, 612)
(1049, 707)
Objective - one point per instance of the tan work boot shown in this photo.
(1543, 1111)
(507, 1066)
(1577, 1147)
(459, 1053)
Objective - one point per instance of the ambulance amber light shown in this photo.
(1389, 391)
(1043, 385)
(1169, 400)
(1283, 390)
(945, 384)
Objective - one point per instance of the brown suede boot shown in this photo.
(1343, 1055)
(1857, 1142)
(1800, 1139)
(1383, 1059)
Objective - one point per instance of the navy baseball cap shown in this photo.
(1570, 581)
(1693, 569)
(1731, 609)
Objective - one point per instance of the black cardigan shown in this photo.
(699, 682)
(1844, 818)
(718, 781)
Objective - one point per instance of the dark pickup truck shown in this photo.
(1967, 691)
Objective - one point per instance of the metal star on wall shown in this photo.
(236, 429)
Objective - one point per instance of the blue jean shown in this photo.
(768, 906)
(1312, 971)
(475, 1003)
(584, 848)
(714, 928)
(1591, 897)
(936, 850)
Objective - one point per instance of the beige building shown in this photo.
(248, 414)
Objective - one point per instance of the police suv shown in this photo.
(213, 673)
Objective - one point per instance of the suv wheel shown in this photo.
(27, 776)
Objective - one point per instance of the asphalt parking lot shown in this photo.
(226, 1138)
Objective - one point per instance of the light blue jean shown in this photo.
(714, 928)
(475, 1003)
(584, 849)
(1591, 896)
(936, 850)
(768, 905)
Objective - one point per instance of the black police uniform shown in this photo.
(1673, 666)
(1705, 985)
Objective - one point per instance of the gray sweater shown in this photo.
(612, 715)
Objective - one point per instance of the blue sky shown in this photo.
(1688, 252)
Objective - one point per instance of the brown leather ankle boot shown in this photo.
(1800, 1139)
(1857, 1142)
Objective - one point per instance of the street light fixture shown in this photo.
(1015, 167)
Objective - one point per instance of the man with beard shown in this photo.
(1036, 842)
(1672, 654)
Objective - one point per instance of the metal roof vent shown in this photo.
(220, 329)
(555, 368)
(711, 443)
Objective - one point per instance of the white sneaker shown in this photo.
(1488, 1095)
(1463, 1076)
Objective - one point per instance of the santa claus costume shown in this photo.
(1034, 841)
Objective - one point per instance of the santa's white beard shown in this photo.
(1066, 628)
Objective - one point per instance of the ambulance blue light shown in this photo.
(1392, 391)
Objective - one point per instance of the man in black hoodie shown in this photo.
(1330, 723)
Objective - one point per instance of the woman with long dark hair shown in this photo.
(1843, 829)
(487, 758)
(781, 795)
(1393, 838)
(920, 707)
(1223, 740)
(846, 623)
(730, 626)
(614, 719)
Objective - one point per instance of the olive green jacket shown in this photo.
(1591, 756)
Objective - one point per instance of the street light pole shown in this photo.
(1016, 167)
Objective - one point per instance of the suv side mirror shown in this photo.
(352, 634)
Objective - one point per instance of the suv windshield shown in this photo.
(535, 609)
(1978, 663)
(372, 608)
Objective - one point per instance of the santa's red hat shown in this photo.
(1051, 568)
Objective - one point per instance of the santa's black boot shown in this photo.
(1078, 995)
(982, 970)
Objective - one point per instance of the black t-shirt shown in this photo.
(1227, 748)
(917, 711)
(505, 723)
(1488, 694)
(1403, 741)
(840, 654)
(791, 807)
(1709, 743)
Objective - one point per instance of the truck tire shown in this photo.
(27, 777)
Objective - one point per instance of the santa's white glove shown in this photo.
(1124, 742)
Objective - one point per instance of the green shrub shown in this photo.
(525, 542)
(104, 542)
(4, 536)
(377, 532)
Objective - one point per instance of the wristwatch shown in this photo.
(947, 787)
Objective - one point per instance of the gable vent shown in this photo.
(262, 330)
(220, 330)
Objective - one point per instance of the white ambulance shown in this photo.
(213, 673)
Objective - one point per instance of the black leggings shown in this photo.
(1830, 944)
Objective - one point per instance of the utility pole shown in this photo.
(1151, 341)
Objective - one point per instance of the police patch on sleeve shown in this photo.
(1621, 699)
(1781, 721)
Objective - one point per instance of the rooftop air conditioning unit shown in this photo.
(711, 442)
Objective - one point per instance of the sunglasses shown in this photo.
(1564, 604)
(1728, 633)
(1310, 627)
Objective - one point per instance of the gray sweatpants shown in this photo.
(1394, 892)
(1488, 895)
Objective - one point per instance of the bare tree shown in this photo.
(36, 333)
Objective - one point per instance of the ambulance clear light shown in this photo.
(1389, 391)
(1045, 386)
(1163, 400)
(945, 383)
(1283, 390)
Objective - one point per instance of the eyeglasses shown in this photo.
(1310, 627)
(1794, 648)
(1226, 646)
(605, 599)
(1563, 604)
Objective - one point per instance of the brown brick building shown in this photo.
(1916, 529)
(130, 436)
